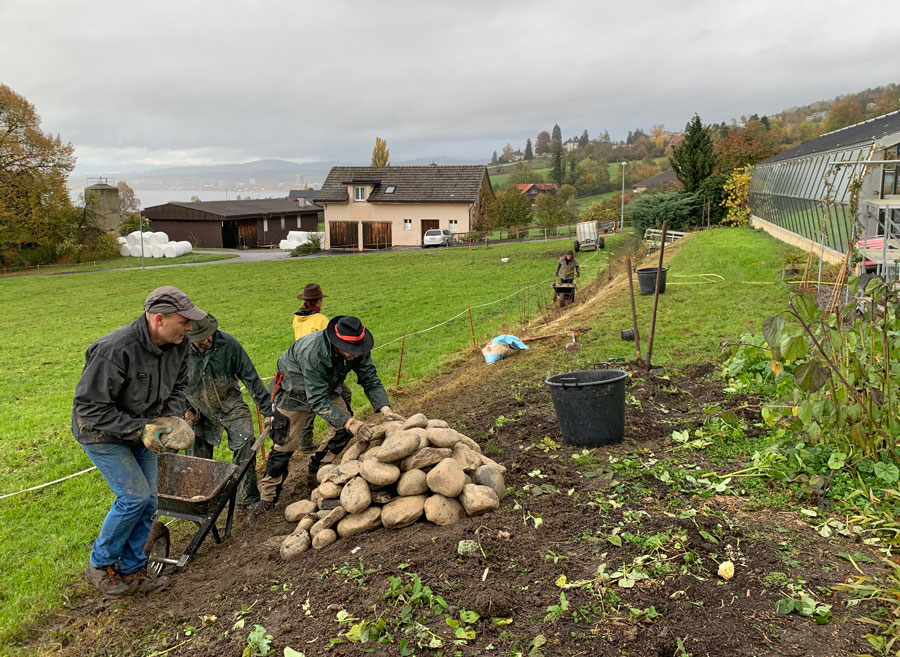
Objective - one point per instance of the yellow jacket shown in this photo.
(306, 324)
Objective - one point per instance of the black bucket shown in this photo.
(647, 279)
(628, 335)
(590, 406)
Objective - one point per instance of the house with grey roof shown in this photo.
(664, 180)
(380, 207)
(233, 224)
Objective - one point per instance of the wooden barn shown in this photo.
(233, 224)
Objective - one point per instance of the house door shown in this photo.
(376, 234)
(343, 234)
(229, 235)
(429, 224)
(246, 234)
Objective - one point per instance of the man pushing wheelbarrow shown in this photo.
(566, 278)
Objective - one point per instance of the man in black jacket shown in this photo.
(130, 377)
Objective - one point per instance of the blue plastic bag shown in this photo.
(500, 347)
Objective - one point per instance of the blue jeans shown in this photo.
(130, 471)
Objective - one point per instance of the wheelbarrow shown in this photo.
(565, 293)
(198, 490)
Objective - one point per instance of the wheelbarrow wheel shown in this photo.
(157, 546)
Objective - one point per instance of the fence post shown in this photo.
(472, 326)
(523, 309)
(400, 366)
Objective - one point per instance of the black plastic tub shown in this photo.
(647, 279)
(590, 406)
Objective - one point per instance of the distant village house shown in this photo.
(379, 207)
(664, 180)
(233, 224)
(533, 190)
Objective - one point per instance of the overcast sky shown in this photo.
(199, 82)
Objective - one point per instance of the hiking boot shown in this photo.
(260, 509)
(306, 449)
(140, 582)
(106, 580)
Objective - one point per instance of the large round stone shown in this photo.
(378, 473)
(398, 445)
(466, 457)
(403, 511)
(425, 457)
(477, 499)
(488, 475)
(436, 424)
(356, 496)
(344, 472)
(446, 478)
(443, 437)
(324, 471)
(294, 545)
(471, 444)
(354, 451)
(491, 462)
(417, 420)
(442, 510)
(412, 482)
(324, 538)
(293, 512)
(329, 490)
(361, 522)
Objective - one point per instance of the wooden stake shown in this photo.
(400, 367)
(523, 309)
(259, 423)
(662, 250)
(472, 326)
(634, 324)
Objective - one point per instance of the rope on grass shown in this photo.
(49, 483)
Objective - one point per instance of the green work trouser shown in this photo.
(239, 426)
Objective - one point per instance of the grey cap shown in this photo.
(203, 328)
(168, 299)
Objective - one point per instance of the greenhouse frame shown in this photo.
(803, 194)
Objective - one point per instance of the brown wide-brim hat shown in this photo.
(348, 334)
(311, 292)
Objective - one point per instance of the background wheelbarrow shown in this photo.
(565, 293)
(198, 490)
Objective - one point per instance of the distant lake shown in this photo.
(150, 197)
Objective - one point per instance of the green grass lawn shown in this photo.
(501, 179)
(120, 263)
(48, 322)
(585, 201)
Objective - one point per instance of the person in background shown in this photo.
(218, 364)
(567, 270)
(130, 396)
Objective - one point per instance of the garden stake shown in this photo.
(634, 324)
(523, 309)
(662, 250)
(259, 423)
(472, 326)
(400, 367)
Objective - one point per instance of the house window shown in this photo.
(265, 225)
(282, 223)
(390, 190)
(407, 224)
(298, 223)
(359, 193)
(454, 225)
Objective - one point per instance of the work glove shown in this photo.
(359, 429)
(191, 417)
(391, 415)
(167, 433)
(267, 423)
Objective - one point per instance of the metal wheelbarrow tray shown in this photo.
(198, 490)
(565, 290)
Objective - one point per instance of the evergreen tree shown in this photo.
(557, 133)
(529, 154)
(584, 140)
(557, 153)
(494, 158)
(693, 159)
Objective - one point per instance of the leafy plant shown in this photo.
(555, 612)
(259, 643)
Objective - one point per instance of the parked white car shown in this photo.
(437, 237)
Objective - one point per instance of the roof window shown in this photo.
(390, 190)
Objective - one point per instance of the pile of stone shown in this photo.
(409, 469)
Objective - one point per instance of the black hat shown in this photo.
(348, 334)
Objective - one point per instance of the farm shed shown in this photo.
(232, 224)
(379, 207)
(798, 193)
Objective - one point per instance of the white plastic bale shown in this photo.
(134, 238)
(297, 236)
(161, 237)
(179, 248)
(124, 250)
(187, 246)
(135, 250)
(157, 251)
(122, 240)
(170, 251)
